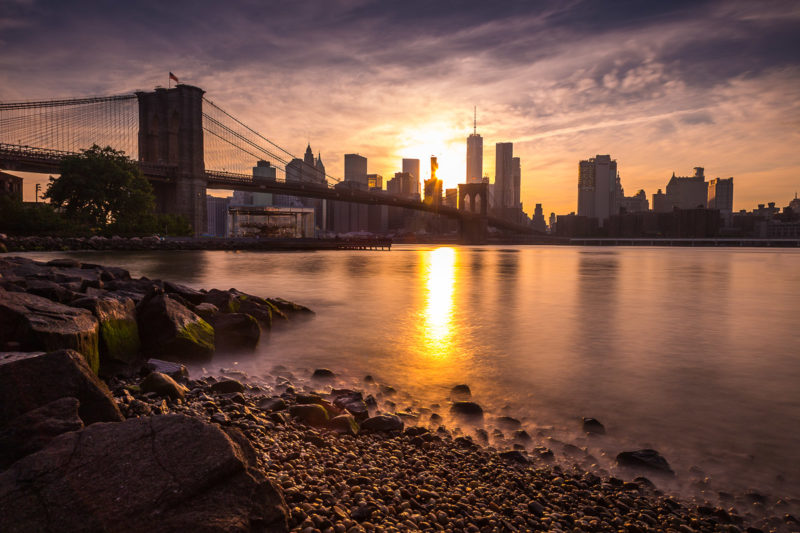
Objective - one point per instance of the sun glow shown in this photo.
(437, 324)
(445, 142)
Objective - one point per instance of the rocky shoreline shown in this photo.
(149, 447)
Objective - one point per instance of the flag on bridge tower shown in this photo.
(173, 77)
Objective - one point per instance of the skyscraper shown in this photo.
(597, 187)
(411, 166)
(516, 172)
(355, 169)
(503, 175)
(474, 153)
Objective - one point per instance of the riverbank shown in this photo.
(283, 445)
(62, 244)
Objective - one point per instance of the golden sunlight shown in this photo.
(440, 277)
(441, 140)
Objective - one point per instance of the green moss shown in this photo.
(234, 305)
(3, 248)
(199, 333)
(119, 339)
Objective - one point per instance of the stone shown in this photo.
(206, 310)
(172, 369)
(382, 423)
(323, 373)
(344, 424)
(311, 414)
(31, 380)
(467, 409)
(592, 426)
(515, 456)
(30, 432)
(41, 325)
(227, 386)
(235, 331)
(286, 306)
(258, 308)
(353, 402)
(158, 474)
(64, 262)
(193, 296)
(163, 385)
(172, 331)
(507, 422)
(225, 301)
(461, 392)
(646, 459)
(50, 290)
(119, 333)
(271, 405)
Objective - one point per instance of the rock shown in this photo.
(345, 424)
(383, 423)
(50, 290)
(159, 474)
(235, 331)
(30, 432)
(592, 426)
(272, 404)
(172, 331)
(468, 409)
(507, 422)
(31, 380)
(163, 385)
(461, 392)
(258, 308)
(41, 325)
(193, 296)
(119, 332)
(206, 310)
(646, 459)
(173, 370)
(514, 456)
(227, 386)
(323, 373)
(64, 262)
(522, 436)
(286, 306)
(311, 414)
(354, 403)
(225, 301)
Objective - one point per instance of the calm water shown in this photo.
(694, 352)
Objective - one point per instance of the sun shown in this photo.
(447, 143)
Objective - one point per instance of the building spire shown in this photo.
(475, 122)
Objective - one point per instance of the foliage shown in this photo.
(105, 189)
(17, 218)
(173, 225)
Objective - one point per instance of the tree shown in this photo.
(104, 188)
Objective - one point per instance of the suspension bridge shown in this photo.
(185, 144)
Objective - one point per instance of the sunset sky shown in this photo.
(661, 86)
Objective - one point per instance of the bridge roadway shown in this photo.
(30, 159)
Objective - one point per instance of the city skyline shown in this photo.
(644, 84)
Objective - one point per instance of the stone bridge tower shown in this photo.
(171, 135)
(473, 198)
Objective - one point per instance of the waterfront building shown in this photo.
(633, 204)
(270, 222)
(538, 219)
(375, 181)
(411, 166)
(355, 169)
(687, 192)
(503, 175)
(474, 153)
(720, 195)
(516, 174)
(217, 209)
(597, 187)
(11, 185)
(552, 227)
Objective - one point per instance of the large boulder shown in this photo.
(235, 331)
(163, 385)
(466, 409)
(172, 331)
(30, 432)
(383, 423)
(119, 332)
(353, 402)
(38, 324)
(31, 380)
(311, 414)
(158, 474)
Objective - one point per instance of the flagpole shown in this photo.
(169, 81)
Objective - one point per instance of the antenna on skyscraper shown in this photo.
(475, 122)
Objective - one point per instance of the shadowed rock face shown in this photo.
(40, 324)
(31, 380)
(235, 331)
(166, 473)
(171, 330)
(119, 333)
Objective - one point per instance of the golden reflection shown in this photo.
(440, 279)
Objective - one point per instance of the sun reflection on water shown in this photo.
(440, 278)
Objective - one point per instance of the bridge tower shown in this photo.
(171, 135)
(474, 225)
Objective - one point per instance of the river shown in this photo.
(692, 351)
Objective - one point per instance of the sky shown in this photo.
(660, 86)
